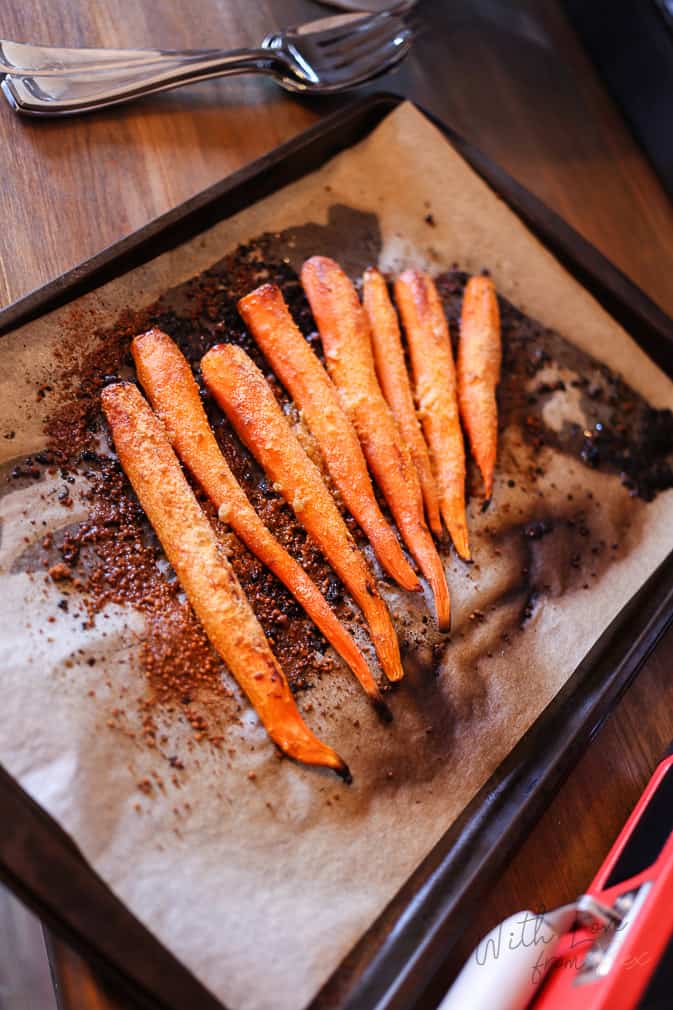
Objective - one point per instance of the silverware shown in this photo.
(323, 56)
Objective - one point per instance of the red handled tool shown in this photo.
(612, 949)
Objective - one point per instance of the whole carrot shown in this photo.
(168, 381)
(435, 377)
(392, 372)
(479, 360)
(246, 398)
(298, 368)
(344, 330)
(205, 574)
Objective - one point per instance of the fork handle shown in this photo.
(98, 85)
(20, 59)
(24, 60)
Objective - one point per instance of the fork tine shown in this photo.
(378, 34)
(375, 60)
(362, 26)
(364, 47)
(367, 71)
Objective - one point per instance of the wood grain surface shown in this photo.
(508, 74)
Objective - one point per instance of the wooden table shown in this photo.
(512, 78)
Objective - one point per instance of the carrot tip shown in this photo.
(395, 675)
(344, 773)
(462, 544)
(485, 505)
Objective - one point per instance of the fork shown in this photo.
(324, 56)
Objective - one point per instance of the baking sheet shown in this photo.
(228, 879)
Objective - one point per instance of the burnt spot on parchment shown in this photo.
(352, 237)
(552, 550)
(579, 455)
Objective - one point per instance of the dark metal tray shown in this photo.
(395, 959)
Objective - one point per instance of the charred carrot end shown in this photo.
(392, 372)
(344, 330)
(479, 360)
(246, 398)
(436, 391)
(168, 381)
(458, 529)
(205, 574)
(298, 368)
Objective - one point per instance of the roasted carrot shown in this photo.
(168, 381)
(435, 377)
(392, 372)
(298, 368)
(344, 330)
(246, 398)
(479, 359)
(205, 574)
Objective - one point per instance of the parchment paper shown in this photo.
(261, 885)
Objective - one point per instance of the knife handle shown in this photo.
(509, 964)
